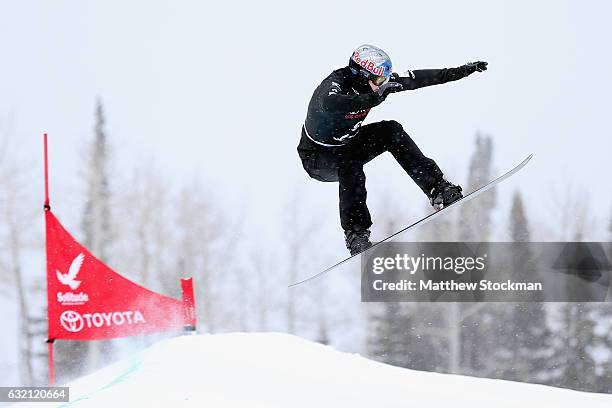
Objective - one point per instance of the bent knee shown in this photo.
(394, 126)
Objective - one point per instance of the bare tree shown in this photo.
(241, 273)
(15, 228)
(199, 228)
(299, 232)
(262, 265)
(143, 208)
(569, 214)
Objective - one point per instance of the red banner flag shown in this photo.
(89, 301)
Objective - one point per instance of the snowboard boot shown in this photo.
(444, 194)
(357, 241)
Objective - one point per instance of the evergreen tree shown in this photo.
(524, 337)
(574, 342)
(575, 364)
(476, 321)
(432, 348)
(77, 357)
(455, 337)
(96, 222)
(387, 333)
(475, 216)
(610, 229)
(385, 321)
(604, 334)
(519, 227)
(396, 330)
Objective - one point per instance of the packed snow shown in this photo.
(280, 370)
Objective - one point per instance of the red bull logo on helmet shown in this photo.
(369, 65)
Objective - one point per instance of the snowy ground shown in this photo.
(279, 370)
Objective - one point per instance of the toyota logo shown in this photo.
(71, 321)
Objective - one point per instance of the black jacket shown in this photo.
(340, 104)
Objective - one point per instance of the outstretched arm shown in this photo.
(427, 77)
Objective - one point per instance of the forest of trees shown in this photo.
(561, 344)
(155, 231)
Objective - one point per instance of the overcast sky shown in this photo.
(220, 90)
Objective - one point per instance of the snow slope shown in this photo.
(279, 370)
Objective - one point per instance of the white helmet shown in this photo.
(371, 63)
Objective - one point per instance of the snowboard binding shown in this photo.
(444, 194)
(357, 241)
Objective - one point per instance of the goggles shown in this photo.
(378, 80)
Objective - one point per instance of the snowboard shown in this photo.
(427, 218)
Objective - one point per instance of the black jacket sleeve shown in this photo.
(332, 100)
(428, 77)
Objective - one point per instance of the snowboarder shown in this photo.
(334, 146)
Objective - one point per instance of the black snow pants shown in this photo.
(344, 164)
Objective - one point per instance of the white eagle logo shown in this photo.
(69, 278)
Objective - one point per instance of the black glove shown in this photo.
(389, 87)
(477, 66)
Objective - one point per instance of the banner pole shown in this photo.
(51, 369)
(47, 207)
(189, 316)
